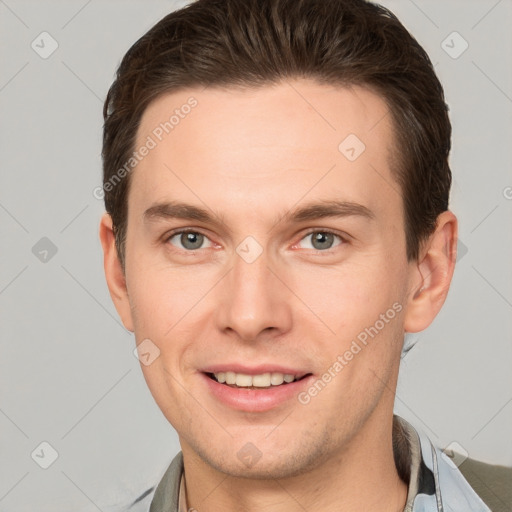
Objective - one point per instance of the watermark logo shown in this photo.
(462, 249)
(44, 250)
(44, 45)
(146, 352)
(352, 147)
(455, 454)
(249, 249)
(249, 455)
(44, 455)
(454, 45)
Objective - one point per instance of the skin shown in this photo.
(251, 156)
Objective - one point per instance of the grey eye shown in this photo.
(321, 240)
(190, 240)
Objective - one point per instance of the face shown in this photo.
(265, 243)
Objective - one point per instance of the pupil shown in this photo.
(324, 239)
(191, 240)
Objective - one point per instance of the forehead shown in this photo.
(267, 146)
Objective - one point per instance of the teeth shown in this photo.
(276, 379)
(263, 380)
(243, 380)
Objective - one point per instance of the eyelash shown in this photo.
(342, 238)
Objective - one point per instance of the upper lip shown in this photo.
(254, 370)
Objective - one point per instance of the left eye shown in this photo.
(322, 240)
(189, 240)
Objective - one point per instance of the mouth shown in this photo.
(257, 388)
(260, 381)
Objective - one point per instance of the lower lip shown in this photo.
(255, 400)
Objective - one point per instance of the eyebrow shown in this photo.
(308, 212)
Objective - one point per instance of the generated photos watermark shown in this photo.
(357, 345)
(151, 142)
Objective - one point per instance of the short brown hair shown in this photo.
(260, 42)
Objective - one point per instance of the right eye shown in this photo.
(188, 240)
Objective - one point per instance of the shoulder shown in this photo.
(492, 483)
(142, 502)
(436, 481)
(163, 497)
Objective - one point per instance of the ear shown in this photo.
(431, 275)
(114, 274)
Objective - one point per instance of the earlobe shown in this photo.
(431, 275)
(114, 274)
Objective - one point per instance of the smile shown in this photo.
(262, 380)
(254, 389)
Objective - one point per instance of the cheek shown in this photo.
(347, 297)
(358, 310)
(166, 387)
(161, 297)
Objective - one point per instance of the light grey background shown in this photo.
(67, 370)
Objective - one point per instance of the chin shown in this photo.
(269, 462)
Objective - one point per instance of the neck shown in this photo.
(362, 476)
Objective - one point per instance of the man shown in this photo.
(276, 184)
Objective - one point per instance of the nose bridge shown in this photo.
(253, 298)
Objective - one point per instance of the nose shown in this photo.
(254, 301)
